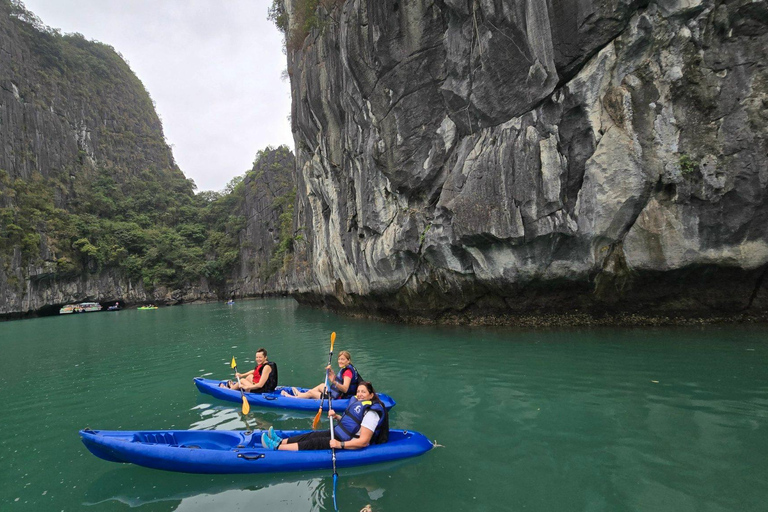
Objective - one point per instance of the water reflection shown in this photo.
(310, 491)
(230, 417)
(204, 492)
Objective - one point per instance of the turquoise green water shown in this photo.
(593, 420)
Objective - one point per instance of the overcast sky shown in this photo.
(213, 68)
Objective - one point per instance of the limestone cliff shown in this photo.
(479, 160)
(266, 242)
(72, 113)
(92, 205)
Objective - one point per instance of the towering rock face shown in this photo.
(266, 242)
(474, 159)
(68, 104)
(71, 112)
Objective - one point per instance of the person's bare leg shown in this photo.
(291, 447)
(316, 392)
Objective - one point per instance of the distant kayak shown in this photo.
(275, 398)
(147, 307)
(220, 451)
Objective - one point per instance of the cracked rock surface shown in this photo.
(463, 160)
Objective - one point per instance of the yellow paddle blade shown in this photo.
(233, 363)
(333, 339)
(317, 419)
(246, 406)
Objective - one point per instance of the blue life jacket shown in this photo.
(352, 391)
(349, 425)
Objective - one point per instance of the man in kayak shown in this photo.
(342, 385)
(262, 379)
(364, 422)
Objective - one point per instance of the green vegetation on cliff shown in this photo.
(305, 16)
(152, 227)
(88, 184)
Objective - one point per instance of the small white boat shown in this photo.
(89, 307)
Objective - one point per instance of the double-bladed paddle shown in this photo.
(333, 450)
(325, 391)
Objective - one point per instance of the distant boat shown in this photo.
(116, 307)
(230, 303)
(147, 307)
(83, 307)
(69, 308)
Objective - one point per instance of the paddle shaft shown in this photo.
(246, 408)
(325, 391)
(237, 379)
(333, 450)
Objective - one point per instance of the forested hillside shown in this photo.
(92, 204)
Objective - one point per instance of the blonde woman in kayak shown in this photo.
(341, 385)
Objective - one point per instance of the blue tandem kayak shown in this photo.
(274, 398)
(221, 451)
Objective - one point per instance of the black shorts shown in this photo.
(319, 440)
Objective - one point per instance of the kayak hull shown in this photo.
(275, 399)
(219, 451)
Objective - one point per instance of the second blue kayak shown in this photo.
(275, 398)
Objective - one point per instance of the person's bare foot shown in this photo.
(285, 393)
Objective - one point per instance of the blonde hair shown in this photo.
(346, 354)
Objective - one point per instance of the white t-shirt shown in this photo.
(370, 421)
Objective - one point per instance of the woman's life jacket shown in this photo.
(349, 425)
(352, 391)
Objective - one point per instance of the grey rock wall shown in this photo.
(68, 106)
(470, 160)
(270, 192)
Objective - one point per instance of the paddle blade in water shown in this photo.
(233, 364)
(335, 479)
(246, 406)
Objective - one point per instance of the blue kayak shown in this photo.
(225, 451)
(275, 398)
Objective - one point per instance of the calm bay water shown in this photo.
(555, 420)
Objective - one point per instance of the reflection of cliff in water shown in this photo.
(201, 492)
(136, 487)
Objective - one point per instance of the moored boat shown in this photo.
(275, 398)
(69, 309)
(83, 307)
(89, 307)
(217, 451)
